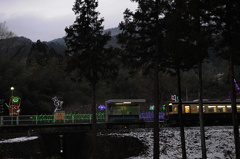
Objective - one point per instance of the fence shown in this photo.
(48, 119)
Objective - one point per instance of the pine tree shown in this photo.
(86, 51)
(142, 42)
(227, 36)
(40, 55)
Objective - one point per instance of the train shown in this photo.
(123, 110)
(214, 113)
(130, 111)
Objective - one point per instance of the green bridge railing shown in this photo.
(69, 118)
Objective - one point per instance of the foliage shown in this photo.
(5, 33)
(227, 29)
(85, 42)
(86, 51)
(141, 32)
(45, 76)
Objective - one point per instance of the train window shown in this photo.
(170, 109)
(212, 109)
(238, 108)
(229, 108)
(186, 109)
(198, 109)
(175, 109)
(221, 108)
(116, 112)
(194, 109)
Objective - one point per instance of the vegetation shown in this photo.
(160, 39)
(87, 54)
(36, 84)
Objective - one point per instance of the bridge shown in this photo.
(48, 119)
(36, 124)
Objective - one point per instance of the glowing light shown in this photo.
(57, 103)
(163, 107)
(151, 107)
(150, 115)
(15, 99)
(101, 107)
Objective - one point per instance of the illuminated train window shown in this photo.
(229, 108)
(186, 109)
(221, 109)
(238, 108)
(198, 109)
(175, 108)
(212, 109)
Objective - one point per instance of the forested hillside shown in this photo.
(37, 72)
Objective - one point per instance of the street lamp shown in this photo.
(12, 89)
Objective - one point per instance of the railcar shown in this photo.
(123, 110)
(214, 113)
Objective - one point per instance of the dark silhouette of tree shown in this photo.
(186, 43)
(86, 52)
(178, 48)
(227, 36)
(40, 55)
(10, 46)
(5, 33)
(142, 42)
(199, 36)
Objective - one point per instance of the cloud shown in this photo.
(36, 27)
(47, 19)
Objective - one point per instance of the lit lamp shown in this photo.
(12, 89)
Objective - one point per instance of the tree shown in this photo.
(10, 45)
(187, 41)
(227, 35)
(142, 43)
(40, 55)
(86, 52)
(198, 35)
(179, 49)
(4, 32)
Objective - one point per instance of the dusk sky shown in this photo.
(47, 19)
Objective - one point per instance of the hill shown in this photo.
(19, 47)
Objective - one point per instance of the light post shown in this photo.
(12, 89)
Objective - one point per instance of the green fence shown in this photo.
(69, 118)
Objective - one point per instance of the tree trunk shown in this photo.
(201, 116)
(234, 108)
(156, 87)
(94, 123)
(156, 112)
(181, 125)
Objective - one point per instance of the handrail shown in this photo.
(48, 119)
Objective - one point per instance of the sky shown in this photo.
(47, 19)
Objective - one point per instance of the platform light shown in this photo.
(118, 103)
(12, 89)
